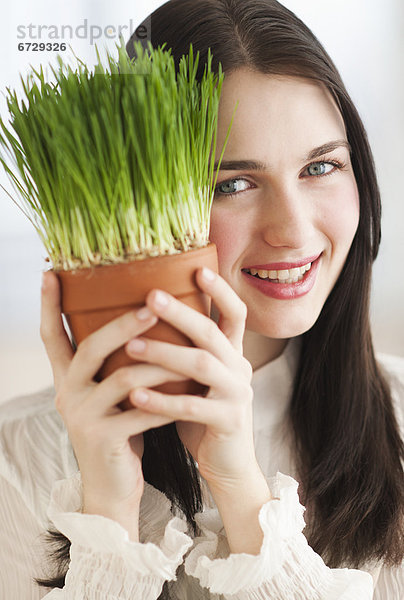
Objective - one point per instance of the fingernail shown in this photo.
(161, 299)
(137, 346)
(144, 313)
(141, 396)
(207, 274)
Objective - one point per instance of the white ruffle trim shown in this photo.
(164, 539)
(280, 519)
(285, 568)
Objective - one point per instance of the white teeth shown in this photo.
(284, 275)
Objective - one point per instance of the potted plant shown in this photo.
(114, 168)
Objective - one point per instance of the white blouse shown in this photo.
(40, 483)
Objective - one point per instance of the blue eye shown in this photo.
(319, 169)
(228, 188)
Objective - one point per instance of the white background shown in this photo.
(365, 38)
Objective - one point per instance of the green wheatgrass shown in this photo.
(115, 164)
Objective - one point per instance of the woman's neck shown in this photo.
(259, 349)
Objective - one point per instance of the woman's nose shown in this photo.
(287, 219)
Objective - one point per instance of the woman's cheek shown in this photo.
(340, 218)
(346, 213)
(225, 233)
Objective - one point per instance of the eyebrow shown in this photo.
(256, 165)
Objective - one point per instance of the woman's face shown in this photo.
(301, 207)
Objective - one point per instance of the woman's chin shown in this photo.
(281, 328)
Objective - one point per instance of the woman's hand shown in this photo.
(108, 442)
(216, 429)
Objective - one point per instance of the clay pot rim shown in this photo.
(127, 284)
(133, 260)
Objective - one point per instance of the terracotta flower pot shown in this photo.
(93, 297)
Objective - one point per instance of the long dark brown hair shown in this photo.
(347, 443)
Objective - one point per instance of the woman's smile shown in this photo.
(285, 272)
(286, 283)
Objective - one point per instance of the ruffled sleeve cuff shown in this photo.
(105, 564)
(286, 567)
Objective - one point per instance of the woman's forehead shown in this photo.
(270, 93)
(276, 110)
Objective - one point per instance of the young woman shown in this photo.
(197, 497)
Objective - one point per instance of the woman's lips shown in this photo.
(285, 265)
(285, 291)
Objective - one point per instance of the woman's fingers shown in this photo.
(94, 349)
(115, 388)
(202, 330)
(52, 331)
(233, 311)
(132, 422)
(193, 363)
(219, 414)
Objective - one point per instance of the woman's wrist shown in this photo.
(128, 518)
(239, 503)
